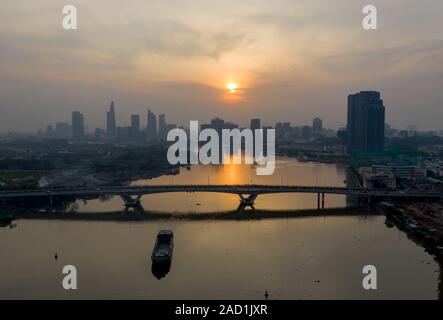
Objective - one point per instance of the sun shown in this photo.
(232, 86)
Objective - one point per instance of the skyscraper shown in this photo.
(162, 127)
(151, 129)
(111, 127)
(62, 130)
(279, 132)
(78, 128)
(317, 127)
(135, 127)
(255, 124)
(218, 124)
(366, 122)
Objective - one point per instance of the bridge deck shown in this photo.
(230, 189)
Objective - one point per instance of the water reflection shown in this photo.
(160, 270)
(218, 259)
(224, 254)
(288, 171)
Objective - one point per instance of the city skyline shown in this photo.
(369, 125)
(157, 128)
(284, 60)
(156, 125)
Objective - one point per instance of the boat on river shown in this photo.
(163, 248)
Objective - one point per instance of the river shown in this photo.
(316, 257)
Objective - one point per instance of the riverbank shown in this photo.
(423, 222)
(40, 166)
(6, 219)
(228, 215)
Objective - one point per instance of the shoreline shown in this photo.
(226, 215)
(422, 233)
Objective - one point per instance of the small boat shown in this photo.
(163, 248)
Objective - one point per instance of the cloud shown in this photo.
(382, 59)
(178, 55)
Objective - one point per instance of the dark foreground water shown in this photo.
(293, 258)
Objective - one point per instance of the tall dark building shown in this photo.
(151, 129)
(218, 124)
(162, 131)
(306, 132)
(366, 122)
(111, 126)
(317, 127)
(78, 128)
(279, 132)
(135, 127)
(255, 124)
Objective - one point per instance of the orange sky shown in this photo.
(292, 60)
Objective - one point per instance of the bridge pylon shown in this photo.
(248, 201)
(320, 200)
(130, 201)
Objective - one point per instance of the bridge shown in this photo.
(131, 195)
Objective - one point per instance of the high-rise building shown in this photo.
(230, 125)
(78, 128)
(218, 124)
(135, 127)
(111, 126)
(62, 130)
(287, 131)
(279, 132)
(151, 129)
(124, 133)
(306, 132)
(317, 127)
(388, 130)
(162, 133)
(99, 134)
(366, 122)
(255, 124)
(342, 135)
(49, 132)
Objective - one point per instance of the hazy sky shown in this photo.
(292, 59)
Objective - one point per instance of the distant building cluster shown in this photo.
(157, 129)
(360, 143)
(375, 179)
(387, 176)
(284, 131)
(76, 130)
(410, 131)
(364, 133)
(154, 131)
